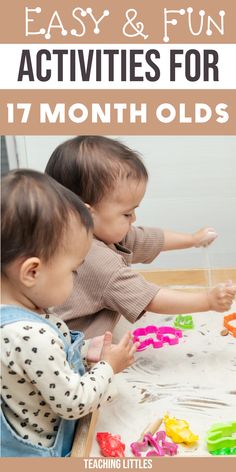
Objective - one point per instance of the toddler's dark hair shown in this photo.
(36, 212)
(91, 165)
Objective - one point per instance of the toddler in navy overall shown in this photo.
(14, 445)
(46, 384)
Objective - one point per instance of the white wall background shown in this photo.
(192, 183)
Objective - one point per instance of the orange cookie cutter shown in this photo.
(230, 328)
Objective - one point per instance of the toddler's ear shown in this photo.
(29, 271)
(90, 208)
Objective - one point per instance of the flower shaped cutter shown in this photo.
(161, 335)
(184, 322)
(221, 435)
(158, 441)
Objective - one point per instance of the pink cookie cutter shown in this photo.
(163, 334)
(158, 441)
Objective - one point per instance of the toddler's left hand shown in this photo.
(204, 237)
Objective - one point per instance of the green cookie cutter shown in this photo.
(184, 322)
(225, 451)
(221, 435)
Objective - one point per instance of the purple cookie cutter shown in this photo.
(158, 441)
(163, 334)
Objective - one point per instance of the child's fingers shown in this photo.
(226, 288)
(132, 361)
(134, 348)
(125, 340)
(207, 236)
(228, 297)
(107, 339)
(230, 292)
(230, 288)
(227, 302)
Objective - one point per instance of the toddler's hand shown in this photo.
(204, 237)
(120, 355)
(95, 348)
(221, 297)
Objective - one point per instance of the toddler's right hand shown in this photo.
(221, 297)
(204, 237)
(120, 355)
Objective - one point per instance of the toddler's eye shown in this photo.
(128, 215)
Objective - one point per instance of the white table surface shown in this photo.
(194, 380)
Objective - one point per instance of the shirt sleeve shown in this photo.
(129, 293)
(145, 243)
(105, 283)
(41, 362)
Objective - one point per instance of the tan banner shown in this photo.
(123, 21)
(126, 112)
(162, 111)
(226, 464)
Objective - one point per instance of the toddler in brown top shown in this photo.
(111, 179)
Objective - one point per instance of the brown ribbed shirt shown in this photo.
(105, 286)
